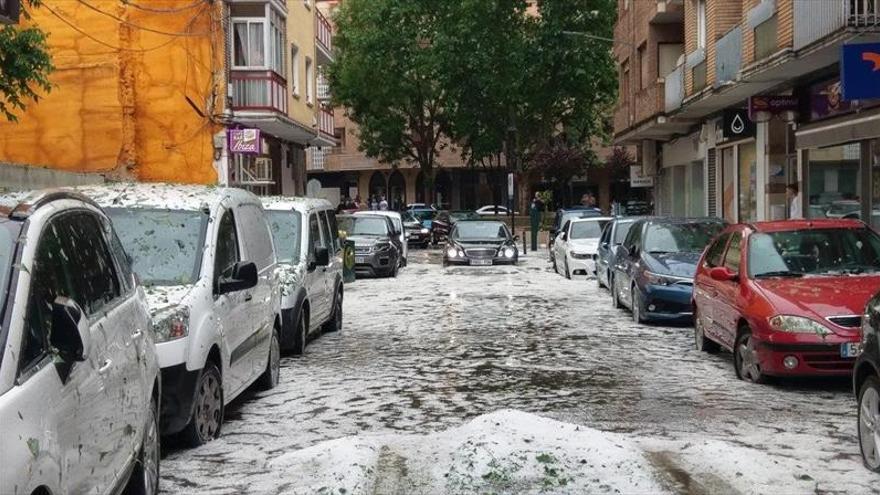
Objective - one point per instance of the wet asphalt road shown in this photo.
(435, 347)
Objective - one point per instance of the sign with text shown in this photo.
(826, 100)
(860, 71)
(244, 141)
(638, 179)
(9, 11)
(772, 104)
(737, 124)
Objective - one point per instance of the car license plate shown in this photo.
(850, 349)
(481, 262)
(360, 259)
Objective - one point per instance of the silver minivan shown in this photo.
(79, 378)
(206, 257)
(310, 261)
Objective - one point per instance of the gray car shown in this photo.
(612, 237)
(377, 247)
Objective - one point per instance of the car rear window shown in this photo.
(287, 232)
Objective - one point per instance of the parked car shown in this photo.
(480, 243)
(445, 220)
(309, 255)
(207, 259)
(866, 384)
(417, 234)
(77, 360)
(846, 208)
(576, 245)
(397, 223)
(612, 236)
(494, 210)
(377, 249)
(771, 293)
(562, 216)
(420, 206)
(653, 270)
(424, 215)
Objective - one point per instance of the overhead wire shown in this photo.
(169, 10)
(137, 26)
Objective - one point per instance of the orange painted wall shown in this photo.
(122, 109)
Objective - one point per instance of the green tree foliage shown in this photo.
(25, 66)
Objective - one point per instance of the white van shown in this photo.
(207, 259)
(310, 262)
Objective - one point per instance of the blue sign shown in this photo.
(860, 71)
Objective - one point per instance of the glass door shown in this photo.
(728, 184)
(748, 175)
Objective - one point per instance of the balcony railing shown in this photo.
(316, 158)
(674, 91)
(324, 32)
(258, 90)
(323, 87)
(815, 20)
(728, 56)
(326, 122)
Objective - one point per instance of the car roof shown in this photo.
(389, 214)
(19, 205)
(818, 223)
(591, 219)
(682, 220)
(300, 204)
(163, 196)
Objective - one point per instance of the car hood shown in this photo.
(675, 264)
(164, 298)
(413, 225)
(584, 245)
(484, 243)
(367, 240)
(819, 296)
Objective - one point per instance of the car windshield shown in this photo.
(680, 237)
(814, 252)
(621, 231)
(587, 230)
(364, 226)
(165, 245)
(466, 231)
(423, 214)
(286, 228)
(844, 208)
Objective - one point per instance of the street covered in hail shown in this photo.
(511, 379)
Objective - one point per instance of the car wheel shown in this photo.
(745, 359)
(869, 423)
(637, 310)
(334, 324)
(615, 297)
(145, 476)
(300, 334)
(269, 378)
(207, 415)
(701, 342)
(567, 271)
(599, 280)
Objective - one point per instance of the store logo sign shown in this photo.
(737, 124)
(860, 71)
(244, 141)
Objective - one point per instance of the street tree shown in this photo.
(25, 65)
(386, 75)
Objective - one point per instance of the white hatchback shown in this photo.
(207, 258)
(576, 245)
(79, 377)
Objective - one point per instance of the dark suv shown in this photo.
(377, 247)
(866, 381)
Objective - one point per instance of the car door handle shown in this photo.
(137, 334)
(249, 298)
(105, 367)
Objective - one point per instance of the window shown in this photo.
(701, 23)
(315, 240)
(248, 43)
(259, 38)
(123, 264)
(325, 231)
(294, 70)
(226, 255)
(732, 258)
(716, 251)
(310, 81)
(334, 231)
(286, 231)
(765, 38)
(644, 77)
(256, 239)
(624, 80)
(89, 256)
(277, 42)
(339, 134)
(667, 57)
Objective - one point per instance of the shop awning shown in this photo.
(277, 125)
(856, 127)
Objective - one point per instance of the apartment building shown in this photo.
(194, 92)
(759, 89)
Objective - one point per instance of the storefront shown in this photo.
(682, 177)
(840, 155)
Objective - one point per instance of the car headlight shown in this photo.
(451, 252)
(798, 324)
(173, 326)
(425, 231)
(657, 279)
(381, 246)
(867, 330)
(581, 256)
(509, 252)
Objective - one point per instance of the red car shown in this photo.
(786, 297)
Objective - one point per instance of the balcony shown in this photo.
(326, 124)
(667, 12)
(323, 87)
(728, 56)
(324, 37)
(814, 21)
(258, 90)
(674, 89)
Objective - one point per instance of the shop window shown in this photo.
(748, 173)
(834, 182)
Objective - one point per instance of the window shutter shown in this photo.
(711, 186)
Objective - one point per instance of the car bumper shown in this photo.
(178, 392)
(375, 264)
(581, 266)
(816, 358)
(418, 238)
(668, 302)
(478, 261)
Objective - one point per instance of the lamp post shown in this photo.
(511, 170)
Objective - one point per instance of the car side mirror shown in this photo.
(723, 274)
(516, 238)
(244, 276)
(322, 256)
(70, 330)
(605, 244)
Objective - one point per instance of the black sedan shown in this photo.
(866, 381)
(480, 243)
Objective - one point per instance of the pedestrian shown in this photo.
(357, 202)
(796, 207)
(374, 203)
(383, 204)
